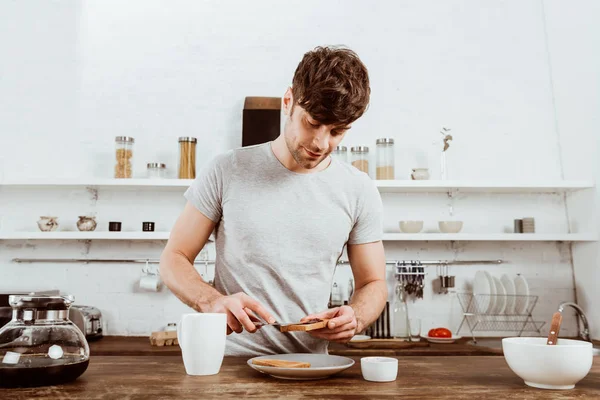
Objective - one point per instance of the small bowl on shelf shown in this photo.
(450, 226)
(411, 226)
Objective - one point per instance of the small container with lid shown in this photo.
(340, 153)
(359, 157)
(124, 156)
(187, 157)
(385, 158)
(156, 170)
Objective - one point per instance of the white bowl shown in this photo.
(379, 369)
(411, 226)
(548, 367)
(450, 226)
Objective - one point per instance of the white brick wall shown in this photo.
(89, 71)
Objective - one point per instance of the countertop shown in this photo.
(164, 377)
(139, 346)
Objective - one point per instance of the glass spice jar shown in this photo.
(385, 158)
(124, 156)
(187, 157)
(156, 170)
(359, 157)
(340, 153)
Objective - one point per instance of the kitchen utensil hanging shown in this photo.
(411, 275)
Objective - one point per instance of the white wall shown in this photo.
(80, 74)
(572, 33)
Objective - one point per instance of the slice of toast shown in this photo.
(280, 363)
(305, 326)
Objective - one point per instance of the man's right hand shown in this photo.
(239, 308)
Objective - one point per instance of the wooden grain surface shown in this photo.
(163, 377)
(138, 346)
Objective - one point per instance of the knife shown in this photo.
(295, 326)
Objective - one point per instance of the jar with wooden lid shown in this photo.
(124, 156)
(187, 157)
(359, 157)
(385, 158)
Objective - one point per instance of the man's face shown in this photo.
(309, 141)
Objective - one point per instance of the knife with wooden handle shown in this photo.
(554, 329)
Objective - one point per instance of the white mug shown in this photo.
(202, 339)
(150, 282)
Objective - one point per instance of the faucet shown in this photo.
(585, 333)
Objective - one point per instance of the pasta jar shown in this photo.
(187, 157)
(124, 156)
(340, 153)
(385, 158)
(359, 157)
(156, 170)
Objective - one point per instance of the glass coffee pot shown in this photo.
(40, 345)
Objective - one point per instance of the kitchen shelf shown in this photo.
(429, 186)
(100, 183)
(492, 237)
(84, 235)
(437, 237)
(384, 186)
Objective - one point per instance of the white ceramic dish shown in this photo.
(492, 307)
(452, 339)
(509, 286)
(360, 338)
(379, 369)
(500, 296)
(450, 226)
(548, 367)
(411, 226)
(321, 366)
(481, 286)
(522, 289)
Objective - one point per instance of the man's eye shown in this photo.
(313, 125)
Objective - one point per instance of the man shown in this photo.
(283, 213)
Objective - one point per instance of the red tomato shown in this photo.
(440, 333)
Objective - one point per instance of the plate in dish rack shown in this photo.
(321, 366)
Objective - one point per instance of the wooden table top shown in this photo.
(164, 377)
(138, 346)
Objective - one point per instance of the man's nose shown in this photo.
(320, 139)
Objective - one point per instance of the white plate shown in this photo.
(509, 286)
(442, 340)
(481, 285)
(360, 338)
(321, 366)
(500, 296)
(492, 307)
(522, 289)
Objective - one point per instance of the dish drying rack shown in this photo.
(477, 317)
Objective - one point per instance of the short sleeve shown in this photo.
(368, 224)
(206, 192)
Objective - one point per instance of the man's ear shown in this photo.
(288, 101)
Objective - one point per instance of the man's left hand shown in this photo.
(341, 326)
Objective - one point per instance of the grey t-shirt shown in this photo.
(279, 235)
